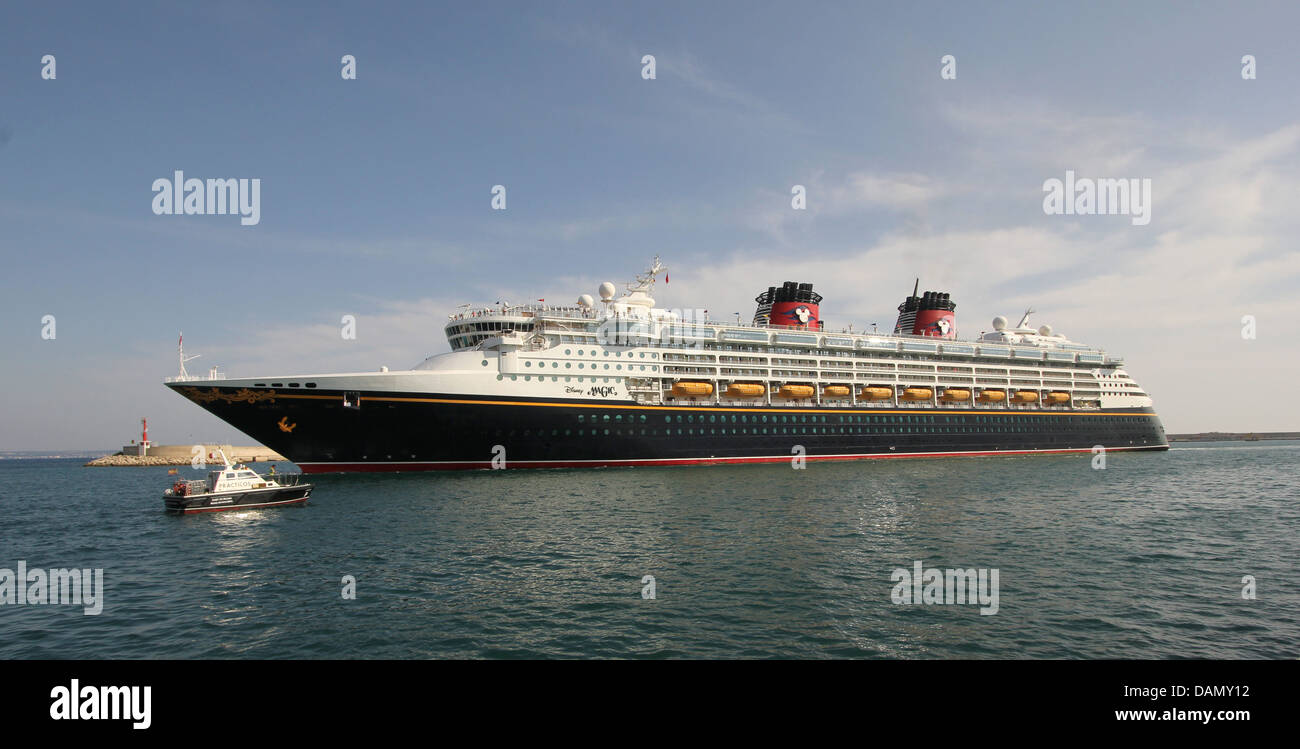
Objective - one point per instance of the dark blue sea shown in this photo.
(1144, 559)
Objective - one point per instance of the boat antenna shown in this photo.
(1025, 320)
(646, 281)
(180, 353)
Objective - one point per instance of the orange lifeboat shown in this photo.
(876, 393)
(796, 391)
(917, 394)
(992, 396)
(689, 389)
(1056, 396)
(955, 394)
(745, 390)
(836, 391)
(1024, 396)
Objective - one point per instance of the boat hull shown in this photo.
(405, 431)
(251, 499)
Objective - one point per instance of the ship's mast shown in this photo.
(645, 282)
(180, 354)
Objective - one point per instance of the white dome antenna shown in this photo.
(606, 291)
(585, 300)
(1045, 331)
(999, 323)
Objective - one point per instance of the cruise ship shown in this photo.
(617, 381)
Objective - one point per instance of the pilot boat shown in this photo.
(235, 487)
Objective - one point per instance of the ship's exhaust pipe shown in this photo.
(931, 314)
(791, 304)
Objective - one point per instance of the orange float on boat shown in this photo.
(689, 389)
(796, 391)
(745, 390)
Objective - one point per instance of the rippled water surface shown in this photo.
(1142, 560)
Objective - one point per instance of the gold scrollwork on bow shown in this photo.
(243, 395)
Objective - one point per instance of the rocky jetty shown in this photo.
(136, 460)
(181, 455)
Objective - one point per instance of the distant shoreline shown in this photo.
(1233, 436)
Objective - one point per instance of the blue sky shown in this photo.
(375, 195)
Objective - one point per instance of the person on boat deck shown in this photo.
(272, 469)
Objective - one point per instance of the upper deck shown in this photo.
(666, 328)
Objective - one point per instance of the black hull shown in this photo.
(425, 431)
(250, 500)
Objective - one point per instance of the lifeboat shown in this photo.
(992, 396)
(1056, 396)
(836, 391)
(955, 394)
(796, 391)
(1024, 396)
(745, 390)
(917, 394)
(689, 389)
(876, 393)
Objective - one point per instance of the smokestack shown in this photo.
(791, 304)
(930, 314)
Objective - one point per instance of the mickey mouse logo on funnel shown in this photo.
(930, 314)
(793, 305)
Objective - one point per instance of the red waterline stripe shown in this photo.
(223, 508)
(378, 466)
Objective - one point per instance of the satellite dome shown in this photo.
(606, 291)
(585, 300)
(999, 323)
(1045, 331)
